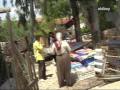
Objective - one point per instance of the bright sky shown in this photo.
(8, 5)
(13, 8)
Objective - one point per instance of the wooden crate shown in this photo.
(113, 58)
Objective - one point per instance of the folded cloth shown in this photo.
(81, 53)
(87, 61)
(76, 65)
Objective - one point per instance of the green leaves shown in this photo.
(104, 24)
(45, 27)
(18, 31)
(56, 9)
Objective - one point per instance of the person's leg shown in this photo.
(67, 70)
(54, 58)
(42, 71)
(60, 72)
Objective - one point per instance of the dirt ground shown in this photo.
(52, 82)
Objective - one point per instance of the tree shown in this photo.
(94, 21)
(75, 12)
(23, 10)
(104, 22)
(53, 9)
(118, 12)
(32, 16)
(91, 13)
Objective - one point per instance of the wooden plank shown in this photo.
(4, 10)
(111, 56)
(29, 66)
(19, 61)
(111, 78)
(113, 70)
(117, 75)
(32, 83)
(33, 71)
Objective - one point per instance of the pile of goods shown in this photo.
(84, 62)
(84, 56)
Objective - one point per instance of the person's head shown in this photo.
(50, 33)
(38, 37)
(59, 36)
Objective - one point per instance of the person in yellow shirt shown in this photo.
(38, 54)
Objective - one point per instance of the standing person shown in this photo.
(51, 40)
(38, 53)
(62, 49)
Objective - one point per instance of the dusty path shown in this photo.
(51, 82)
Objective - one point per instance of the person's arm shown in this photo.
(34, 46)
(68, 47)
(52, 48)
(39, 46)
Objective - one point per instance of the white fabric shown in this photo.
(65, 48)
(59, 36)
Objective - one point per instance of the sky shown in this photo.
(12, 13)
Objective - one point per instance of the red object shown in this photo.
(64, 21)
(69, 23)
(58, 45)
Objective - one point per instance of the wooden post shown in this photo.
(4, 10)
(20, 77)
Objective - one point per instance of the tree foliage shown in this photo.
(55, 8)
(104, 23)
(18, 32)
(52, 9)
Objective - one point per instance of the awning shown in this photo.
(69, 23)
(65, 21)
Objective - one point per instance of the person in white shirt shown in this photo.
(61, 48)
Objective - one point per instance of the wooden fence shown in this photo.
(23, 69)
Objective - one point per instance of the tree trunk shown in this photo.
(117, 23)
(94, 22)
(75, 12)
(118, 6)
(32, 21)
(32, 15)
